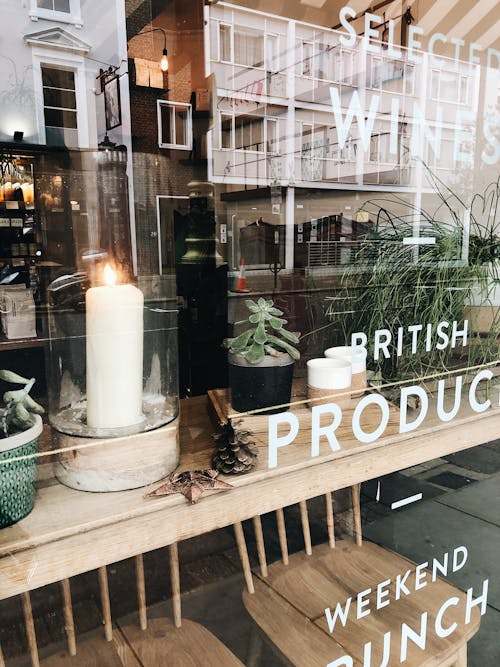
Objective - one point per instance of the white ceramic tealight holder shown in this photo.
(357, 357)
(329, 380)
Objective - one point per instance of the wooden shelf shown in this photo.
(62, 532)
(7, 344)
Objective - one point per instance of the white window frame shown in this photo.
(274, 123)
(74, 15)
(222, 116)
(189, 125)
(305, 44)
(231, 42)
(268, 37)
(69, 61)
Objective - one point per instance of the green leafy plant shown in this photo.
(265, 335)
(392, 285)
(17, 415)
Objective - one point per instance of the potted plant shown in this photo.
(261, 359)
(20, 427)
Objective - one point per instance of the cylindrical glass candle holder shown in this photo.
(112, 368)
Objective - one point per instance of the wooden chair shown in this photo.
(287, 600)
(154, 642)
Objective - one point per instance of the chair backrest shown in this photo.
(282, 536)
(69, 624)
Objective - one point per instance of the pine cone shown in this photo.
(236, 452)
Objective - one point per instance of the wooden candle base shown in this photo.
(358, 384)
(118, 464)
(320, 396)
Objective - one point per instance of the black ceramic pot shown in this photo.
(262, 386)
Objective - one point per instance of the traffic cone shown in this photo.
(241, 282)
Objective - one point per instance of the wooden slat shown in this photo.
(105, 603)
(30, 629)
(175, 583)
(329, 519)
(69, 623)
(280, 519)
(242, 550)
(304, 518)
(261, 549)
(356, 511)
(141, 591)
(2, 662)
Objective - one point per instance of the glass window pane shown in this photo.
(54, 97)
(225, 43)
(226, 131)
(59, 118)
(62, 6)
(58, 78)
(181, 126)
(248, 48)
(166, 125)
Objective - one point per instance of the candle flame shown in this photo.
(109, 276)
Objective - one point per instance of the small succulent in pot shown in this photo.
(261, 359)
(19, 409)
(21, 426)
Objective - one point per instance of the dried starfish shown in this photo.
(191, 483)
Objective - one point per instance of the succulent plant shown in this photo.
(17, 415)
(266, 334)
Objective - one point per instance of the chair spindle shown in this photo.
(243, 552)
(69, 622)
(356, 510)
(30, 629)
(175, 582)
(330, 522)
(280, 518)
(141, 591)
(105, 603)
(304, 517)
(261, 549)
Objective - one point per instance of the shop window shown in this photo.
(66, 11)
(174, 125)
(59, 107)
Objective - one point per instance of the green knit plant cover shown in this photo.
(17, 483)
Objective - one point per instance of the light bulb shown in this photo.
(164, 61)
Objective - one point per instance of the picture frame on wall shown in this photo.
(112, 103)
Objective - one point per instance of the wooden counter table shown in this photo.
(70, 532)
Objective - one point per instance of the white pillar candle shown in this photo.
(115, 331)
(329, 373)
(356, 355)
